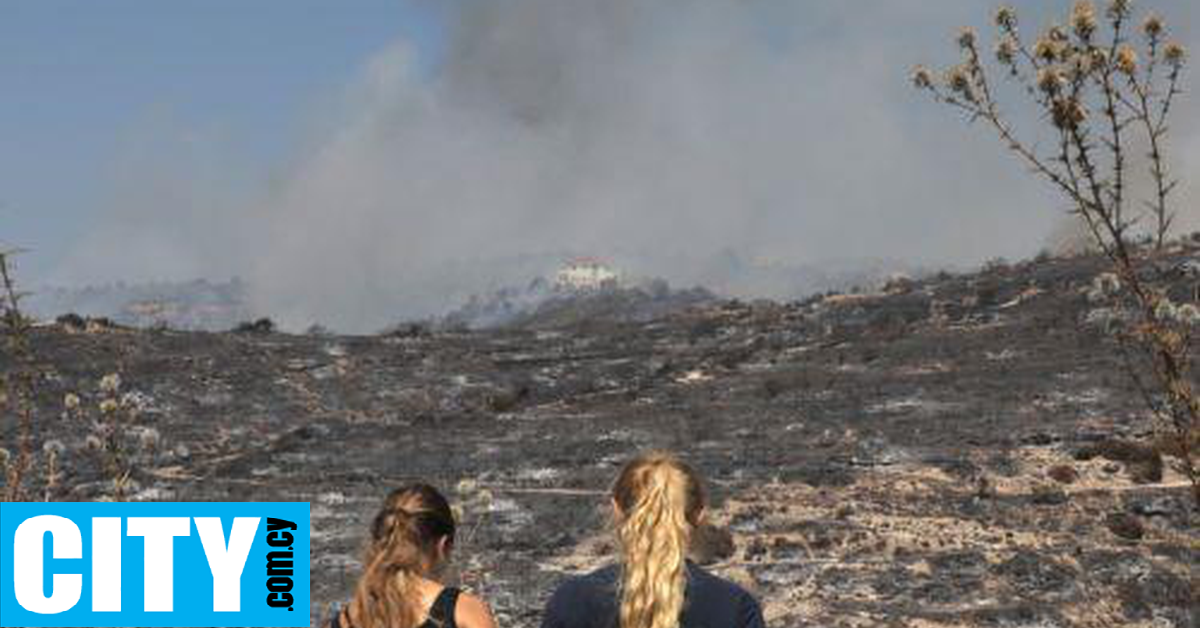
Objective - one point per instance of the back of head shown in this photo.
(660, 500)
(406, 543)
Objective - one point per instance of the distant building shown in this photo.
(586, 274)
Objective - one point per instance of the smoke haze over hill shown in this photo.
(663, 136)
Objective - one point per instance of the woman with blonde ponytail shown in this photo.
(410, 544)
(658, 501)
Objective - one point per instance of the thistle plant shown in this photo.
(17, 385)
(474, 504)
(110, 433)
(1101, 85)
(52, 451)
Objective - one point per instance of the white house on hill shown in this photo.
(585, 274)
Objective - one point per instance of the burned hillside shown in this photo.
(964, 450)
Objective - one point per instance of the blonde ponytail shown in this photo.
(403, 547)
(660, 500)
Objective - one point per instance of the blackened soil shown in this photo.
(883, 459)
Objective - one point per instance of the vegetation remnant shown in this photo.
(1102, 90)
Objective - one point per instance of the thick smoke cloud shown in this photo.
(662, 135)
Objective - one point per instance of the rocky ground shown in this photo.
(957, 451)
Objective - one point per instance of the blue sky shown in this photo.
(80, 78)
(361, 160)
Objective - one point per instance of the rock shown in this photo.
(1144, 464)
(757, 550)
(1161, 506)
(1063, 474)
(72, 322)
(261, 326)
(1125, 525)
(1047, 495)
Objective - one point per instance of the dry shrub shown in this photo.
(1100, 87)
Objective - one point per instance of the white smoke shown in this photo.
(658, 134)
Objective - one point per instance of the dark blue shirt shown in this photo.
(590, 601)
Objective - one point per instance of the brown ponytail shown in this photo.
(660, 500)
(404, 545)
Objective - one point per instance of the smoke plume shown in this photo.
(660, 135)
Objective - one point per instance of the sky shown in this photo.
(89, 85)
(359, 161)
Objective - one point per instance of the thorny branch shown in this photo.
(1068, 75)
(17, 385)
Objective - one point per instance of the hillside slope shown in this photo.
(949, 453)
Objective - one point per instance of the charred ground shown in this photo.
(955, 451)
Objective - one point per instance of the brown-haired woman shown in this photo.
(411, 540)
(658, 501)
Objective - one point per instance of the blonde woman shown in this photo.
(411, 540)
(657, 502)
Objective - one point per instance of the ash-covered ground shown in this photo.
(956, 451)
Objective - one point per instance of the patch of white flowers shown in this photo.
(1188, 314)
(1104, 286)
(1167, 311)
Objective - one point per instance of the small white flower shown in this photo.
(110, 383)
(1164, 310)
(149, 438)
(71, 401)
(1188, 314)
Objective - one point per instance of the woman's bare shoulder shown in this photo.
(472, 612)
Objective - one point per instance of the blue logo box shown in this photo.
(154, 564)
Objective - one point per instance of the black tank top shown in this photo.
(441, 614)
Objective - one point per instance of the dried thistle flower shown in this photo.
(93, 442)
(1119, 9)
(1099, 57)
(966, 38)
(922, 78)
(1127, 60)
(53, 447)
(71, 401)
(1083, 19)
(1081, 65)
(1006, 51)
(1056, 33)
(110, 383)
(1153, 27)
(958, 78)
(1068, 113)
(1051, 79)
(1047, 49)
(108, 406)
(1006, 18)
(1175, 54)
